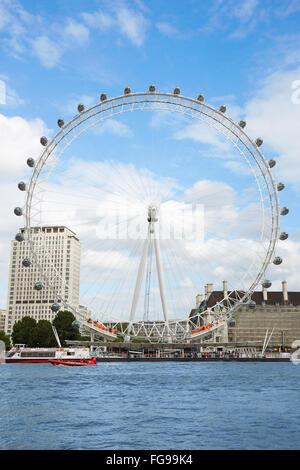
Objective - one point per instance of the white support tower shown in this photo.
(152, 234)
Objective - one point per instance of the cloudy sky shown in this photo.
(244, 54)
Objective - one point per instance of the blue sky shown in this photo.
(245, 54)
(51, 52)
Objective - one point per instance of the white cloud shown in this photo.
(76, 31)
(114, 127)
(187, 282)
(272, 115)
(20, 139)
(200, 132)
(211, 192)
(8, 96)
(98, 19)
(132, 23)
(238, 19)
(215, 144)
(4, 16)
(24, 32)
(70, 108)
(129, 22)
(16, 24)
(47, 51)
(237, 167)
(50, 51)
(245, 11)
(167, 29)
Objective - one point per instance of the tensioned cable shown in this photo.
(148, 281)
(107, 280)
(124, 280)
(175, 270)
(107, 256)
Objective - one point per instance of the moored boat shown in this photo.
(21, 354)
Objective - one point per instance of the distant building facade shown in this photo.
(64, 255)
(273, 309)
(2, 319)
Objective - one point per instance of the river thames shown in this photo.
(149, 406)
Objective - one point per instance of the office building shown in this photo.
(58, 252)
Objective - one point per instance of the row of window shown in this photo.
(37, 355)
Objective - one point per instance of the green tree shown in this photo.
(23, 331)
(42, 335)
(63, 324)
(5, 339)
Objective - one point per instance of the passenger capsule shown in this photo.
(252, 304)
(259, 142)
(38, 285)
(19, 237)
(26, 262)
(103, 97)
(127, 90)
(222, 108)
(284, 210)
(283, 236)
(30, 162)
(18, 211)
(22, 186)
(55, 307)
(280, 186)
(60, 122)
(76, 323)
(242, 124)
(272, 163)
(151, 88)
(200, 97)
(44, 141)
(80, 107)
(176, 91)
(231, 322)
(266, 284)
(277, 260)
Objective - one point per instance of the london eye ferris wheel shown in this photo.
(158, 215)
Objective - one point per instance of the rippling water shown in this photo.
(150, 406)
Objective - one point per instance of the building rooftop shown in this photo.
(45, 227)
(272, 298)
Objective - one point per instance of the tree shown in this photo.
(42, 335)
(5, 339)
(23, 331)
(63, 324)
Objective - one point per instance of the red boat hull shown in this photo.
(34, 361)
(80, 362)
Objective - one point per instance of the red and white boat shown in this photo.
(82, 362)
(21, 354)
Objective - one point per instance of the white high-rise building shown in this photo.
(63, 256)
(2, 319)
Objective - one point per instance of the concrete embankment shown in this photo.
(192, 359)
